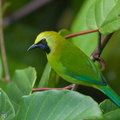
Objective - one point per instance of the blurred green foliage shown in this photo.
(54, 15)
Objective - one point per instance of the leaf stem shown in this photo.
(2, 46)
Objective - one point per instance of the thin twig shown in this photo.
(24, 11)
(80, 33)
(43, 89)
(2, 46)
(99, 44)
(104, 41)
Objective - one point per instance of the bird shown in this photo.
(72, 64)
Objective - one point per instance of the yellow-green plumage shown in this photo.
(72, 64)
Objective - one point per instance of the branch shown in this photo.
(25, 10)
(80, 33)
(2, 46)
(43, 89)
(104, 41)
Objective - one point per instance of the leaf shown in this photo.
(22, 83)
(87, 42)
(7, 111)
(110, 110)
(49, 77)
(3, 84)
(64, 32)
(58, 105)
(113, 115)
(104, 15)
(107, 106)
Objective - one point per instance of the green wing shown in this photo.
(79, 66)
(88, 79)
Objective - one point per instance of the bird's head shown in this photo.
(46, 41)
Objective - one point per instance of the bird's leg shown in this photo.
(75, 87)
(102, 62)
(97, 52)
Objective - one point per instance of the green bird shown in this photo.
(72, 64)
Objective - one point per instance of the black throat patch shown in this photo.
(43, 46)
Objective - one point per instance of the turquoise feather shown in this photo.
(111, 94)
(87, 79)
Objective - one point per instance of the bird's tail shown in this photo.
(111, 94)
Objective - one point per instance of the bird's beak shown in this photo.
(33, 47)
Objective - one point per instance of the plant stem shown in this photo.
(99, 43)
(24, 11)
(79, 33)
(2, 46)
(43, 89)
(104, 41)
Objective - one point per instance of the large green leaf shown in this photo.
(87, 42)
(58, 105)
(22, 84)
(107, 106)
(7, 111)
(110, 110)
(104, 14)
(113, 115)
(3, 84)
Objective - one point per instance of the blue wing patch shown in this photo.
(88, 79)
